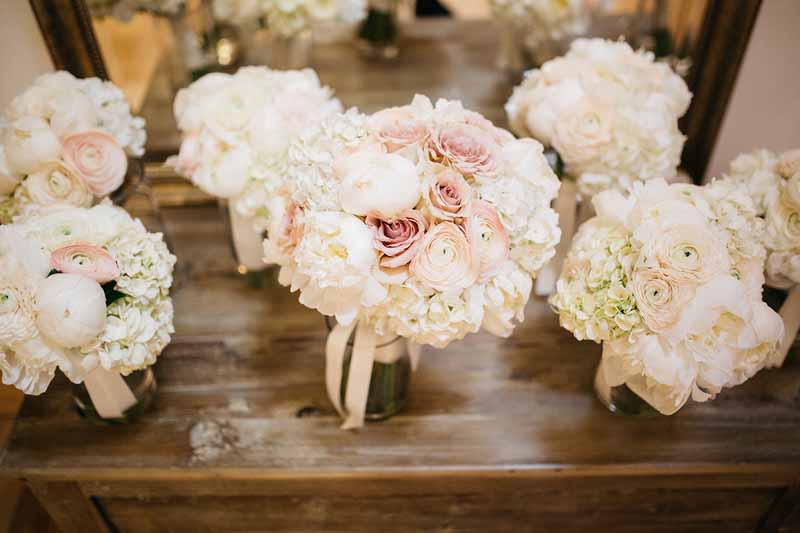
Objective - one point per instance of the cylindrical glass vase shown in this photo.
(110, 398)
(390, 381)
(620, 399)
(378, 34)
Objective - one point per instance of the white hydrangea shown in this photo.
(289, 17)
(610, 112)
(552, 19)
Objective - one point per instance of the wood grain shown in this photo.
(498, 432)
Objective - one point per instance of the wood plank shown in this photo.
(70, 509)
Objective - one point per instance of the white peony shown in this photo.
(71, 309)
(28, 143)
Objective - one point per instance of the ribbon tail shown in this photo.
(566, 207)
(110, 395)
(790, 313)
(414, 353)
(360, 375)
(335, 347)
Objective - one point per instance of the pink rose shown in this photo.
(85, 260)
(486, 230)
(398, 238)
(467, 148)
(499, 135)
(97, 159)
(447, 195)
(398, 127)
(446, 260)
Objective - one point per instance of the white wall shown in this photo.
(764, 110)
(23, 54)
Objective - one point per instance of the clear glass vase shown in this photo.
(378, 34)
(620, 399)
(111, 398)
(247, 247)
(390, 381)
(277, 51)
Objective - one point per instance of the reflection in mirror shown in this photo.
(152, 48)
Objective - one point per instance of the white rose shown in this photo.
(8, 182)
(376, 183)
(71, 309)
(29, 142)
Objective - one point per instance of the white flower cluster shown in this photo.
(124, 10)
(65, 142)
(426, 222)
(670, 280)
(288, 17)
(552, 19)
(81, 288)
(237, 130)
(773, 182)
(611, 114)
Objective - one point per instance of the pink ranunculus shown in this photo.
(398, 127)
(398, 238)
(85, 260)
(499, 135)
(447, 195)
(467, 148)
(97, 159)
(485, 228)
(446, 260)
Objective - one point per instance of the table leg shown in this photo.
(70, 509)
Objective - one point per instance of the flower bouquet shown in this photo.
(535, 26)
(610, 114)
(65, 142)
(287, 26)
(236, 134)
(421, 222)
(85, 291)
(773, 182)
(669, 280)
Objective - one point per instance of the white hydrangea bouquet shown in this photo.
(288, 18)
(65, 142)
(419, 221)
(236, 134)
(544, 20)
(611, 115)
(773, 182)
(669, 280)
(85, 291)
(124, 10)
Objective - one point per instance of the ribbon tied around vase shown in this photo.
(368, 347)
(110, 395)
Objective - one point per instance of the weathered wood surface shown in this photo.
(498, 432)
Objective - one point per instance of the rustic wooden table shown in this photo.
(499, 434)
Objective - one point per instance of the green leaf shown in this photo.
(111, 292)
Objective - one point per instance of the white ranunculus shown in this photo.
(54, 185)
(71, 309)
(374, 182)
(29, 142)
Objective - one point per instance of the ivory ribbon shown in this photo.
(790, 313)
(248, 244)
(110, 395)
(566, 207)
(367, 349)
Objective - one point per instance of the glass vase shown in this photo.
(378, 34)
(620, 399)
(390, 381)
(107, 397)
(247, 247)
(277, 51)
(511, 53)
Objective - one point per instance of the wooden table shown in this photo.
(499, 434)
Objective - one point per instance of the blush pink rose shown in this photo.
(398, 238)
(398, 127)
(446, 260)
(499, 135)
(85, 260)
(467, 148)
(447, 195)
(97, 159)
(486, 230)
(290, 227)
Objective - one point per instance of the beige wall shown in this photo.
(23, 55)
(764, 110)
